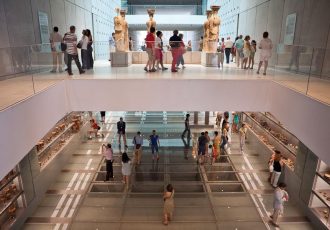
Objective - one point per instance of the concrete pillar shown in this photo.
(195, 118)
(207, 118)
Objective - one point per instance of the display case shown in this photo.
(274, 136)
(320, 198)
(11, 198)
(51, 144)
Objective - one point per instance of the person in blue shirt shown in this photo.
(154, 144)
(239, 50)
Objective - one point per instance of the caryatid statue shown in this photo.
(125, 30)
(214, 22)
(119, 32)
(206, 31)
(151, 22)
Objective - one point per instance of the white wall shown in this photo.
(25, 123)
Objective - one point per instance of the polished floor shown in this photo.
(16, 89)
(231, 194)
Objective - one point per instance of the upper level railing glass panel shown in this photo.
(27, 70)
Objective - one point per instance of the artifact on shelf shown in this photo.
(12, 211)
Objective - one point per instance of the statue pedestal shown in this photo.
(121, 59)
(209, 59)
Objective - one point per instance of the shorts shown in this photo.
(159, 54)
(150, 53)
(264, 57)
(246, 53)
(154, 148)
(201, 150)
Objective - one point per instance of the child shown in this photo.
(159, 51)
(252, 54)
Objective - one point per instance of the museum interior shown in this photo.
(175, 114)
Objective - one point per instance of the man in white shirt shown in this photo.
(228, 46)
(55, 40)
(108, 154)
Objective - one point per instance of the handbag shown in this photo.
(63, 46)
(79, 45)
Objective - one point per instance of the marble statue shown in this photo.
(125, 30)
(214, 23)
(119, 32)
(206, 31)
(151, 22)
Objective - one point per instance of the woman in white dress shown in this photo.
(126, 168)
(265, 47)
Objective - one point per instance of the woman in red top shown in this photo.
(94, 128)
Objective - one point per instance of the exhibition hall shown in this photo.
(164, 114)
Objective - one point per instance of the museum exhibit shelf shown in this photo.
(54, 141)
(320, 198)
(11, 198)
(273, 136)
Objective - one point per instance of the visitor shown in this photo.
(108, 154)
(138, 143)
(112, 45)
(246, 51)
(175, 41)
(94, 128)
(225, 120)
(154, 144)
(189, 46)
(252, 54)
(168, 204)
(150, 46)
(224, 140)
(55, 40)
(228, 45)
(207, 147)
(201, 146)
(126, 168)
(221, 52)
(239, 50)
(159, 51)
(216, 147)
(70, 39)
(83, 45)
(90, 60)
(277, 167)
(242, 137)
(186, 127)
(218, 119)
(235, 122)
(280, 196)
(201, 44)
(130, 44)
(181, 52)
(271, 166)
(121, 131)
(102, 113)
(265, 47)
(233, 51)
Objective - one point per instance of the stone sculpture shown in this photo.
(125, 30)
(206, 31)
(151, 22)
(214, 23)
(119, 32)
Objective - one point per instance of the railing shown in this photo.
(304, 69)
(167, 9)
(26, 70)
